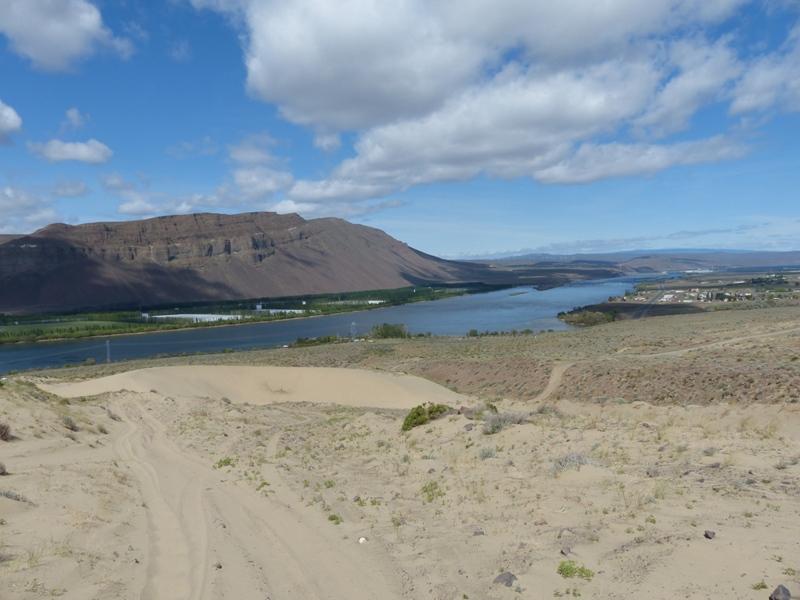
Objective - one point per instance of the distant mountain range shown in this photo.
(644, 261)
(207, 257)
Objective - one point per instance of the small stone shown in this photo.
(750, 482)
(431, 470)
(136, 561)
(652, 472)
(217, 566)
(467, 412)
(339, 447)
(701, 480)
(566, 551)
(540, 522)
(662, 448)
(469, 427)
(709, 535)
(363, 540)
(356, 498)
(714, 465)
(478, 532)
(780, 593)
(506, 578)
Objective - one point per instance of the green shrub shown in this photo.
(569, 569)
(386, 331)
(224, 462)
(419, 415)
(430, 491)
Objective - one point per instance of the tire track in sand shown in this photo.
(267, 548)
(176, 532)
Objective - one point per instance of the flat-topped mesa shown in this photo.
(202, 257)
(169, 238)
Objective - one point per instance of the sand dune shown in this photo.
(267, 385)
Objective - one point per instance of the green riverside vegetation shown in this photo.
(36, 327)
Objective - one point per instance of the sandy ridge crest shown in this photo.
(268, 385)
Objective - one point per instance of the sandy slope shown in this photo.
(267, 385)
(252, 482)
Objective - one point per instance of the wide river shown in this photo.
(516, 308)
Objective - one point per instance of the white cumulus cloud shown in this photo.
(10, 122)
(22, 211)
(93, 152)
(75, 119)
(55, 34)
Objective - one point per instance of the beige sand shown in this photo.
(267, 385)
(255, 482)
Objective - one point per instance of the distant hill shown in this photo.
(7, 237)
(207, 257)
(650, 261)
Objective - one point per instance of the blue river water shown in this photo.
(516, 308)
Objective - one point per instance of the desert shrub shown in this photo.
(498, 422)
(486, 452)
(69, 423)
(573, 460)
(5, 432)
(12, 495)
(419, 415)
(547, 409)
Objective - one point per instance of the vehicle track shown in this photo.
(210, 538)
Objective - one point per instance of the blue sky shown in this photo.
(461, 127)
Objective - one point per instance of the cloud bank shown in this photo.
(567, 92)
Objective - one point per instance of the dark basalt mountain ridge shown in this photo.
(203, 257)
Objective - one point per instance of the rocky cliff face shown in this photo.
(205, 257)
